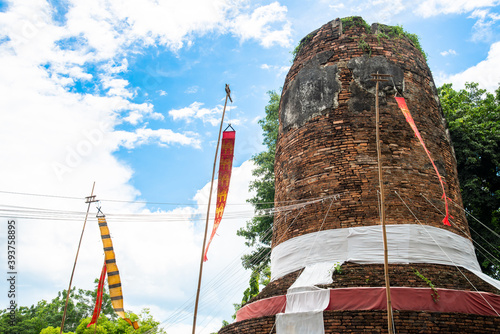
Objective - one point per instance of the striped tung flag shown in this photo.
(114, 283)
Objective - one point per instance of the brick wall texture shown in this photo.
(335, 151)
(411, 322)
(326, 146)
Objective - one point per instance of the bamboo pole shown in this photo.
(89, 200)
(228, 95)
(380, 77)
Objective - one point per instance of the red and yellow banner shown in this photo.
(114, 282)
(98, 300)
(406, 112)
(225, 167)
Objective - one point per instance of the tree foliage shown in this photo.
(258, 230)
(31, 320)
(45, 317)
(257, 279)
(473, 117)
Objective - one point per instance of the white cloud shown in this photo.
(280, 70)
(115, 24)
(483, 28)
(162, 137)
(260, 23)
(428, 8)
(117, 87)
(136, 115)
(337, 6)
(196, 111)
(112, 67)
(486, 73)
(448, 52)
(191, 90)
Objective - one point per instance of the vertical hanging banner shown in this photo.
(98, 299)
(114, 283)
(406, 112)
(225, 167)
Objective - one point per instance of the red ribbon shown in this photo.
(98, 300)
(406, 112)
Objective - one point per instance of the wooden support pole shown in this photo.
(90, 199)
(378, 78)
(228, 95)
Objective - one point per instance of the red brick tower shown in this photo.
(327, 253)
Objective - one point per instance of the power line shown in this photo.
(299, 201)
(446, 254)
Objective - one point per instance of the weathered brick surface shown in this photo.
(376, 322)
(335, 152)
(327, 147)
(400, 275)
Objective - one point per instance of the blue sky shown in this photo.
(129, 93)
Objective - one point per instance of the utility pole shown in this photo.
(90, 199)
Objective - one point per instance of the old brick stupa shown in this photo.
(327, 261)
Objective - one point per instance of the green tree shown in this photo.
(258, 230)
(257, 279)
(146, 323)
(104, 326)
(473, 117)
(80, 305)
(45, 316)
(53, 330)
(24, 321)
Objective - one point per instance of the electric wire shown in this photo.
(263, 250)
(434, 241)
(310, 248)
(258, 257)
(212, 283)
(317, 234)
(270, 230)
(440, 247)
(51, 214)
(82, 198)
(492, 257)
(35, 213)
(446, 254)
(177, 318)
(480, 222)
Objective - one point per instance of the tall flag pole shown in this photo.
(228, 96)
(90, 199)
(406, 112)
(114, 282)
(379, 78)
